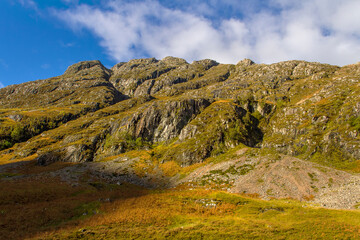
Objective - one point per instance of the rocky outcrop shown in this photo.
(279, 176)
(221, 126)
(148, 76)
(193, 111)
(320, 124)
(88, 67)
(46, 104)
(83, 83)
(163, 120)
(127, 77)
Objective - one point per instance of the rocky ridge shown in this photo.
(163, 119)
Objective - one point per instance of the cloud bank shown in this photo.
(313, 30)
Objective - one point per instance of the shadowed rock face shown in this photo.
(193, 111)
(163, 120)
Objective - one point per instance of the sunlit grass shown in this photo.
(49, 209)
(10, 158)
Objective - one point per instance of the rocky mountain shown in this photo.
(288, 129)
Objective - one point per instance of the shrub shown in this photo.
(355, 123)
(5, 144)
(18, 133)
(126, 141)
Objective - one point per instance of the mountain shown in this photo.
(185, 113)
(283, 130)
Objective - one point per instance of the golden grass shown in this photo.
(222, 101)
(29, 206)
(170, 168)
(142, 154)
(46, 208)
(6, 158)
(191, 168)
(10, 158)
(357, 167)
(190, 214)
(323, 101)
(142, 168)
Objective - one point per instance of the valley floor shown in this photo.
(47, 208)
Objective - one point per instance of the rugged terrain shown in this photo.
(285, 130)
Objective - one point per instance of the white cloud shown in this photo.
(1, 85)
(29, 4)
(313, 30)
(70, 1)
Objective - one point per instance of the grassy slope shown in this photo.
(98, 211)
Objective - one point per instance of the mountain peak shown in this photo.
(85, 65)
(245, 62)
(173, 61)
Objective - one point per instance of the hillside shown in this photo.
(288, 130)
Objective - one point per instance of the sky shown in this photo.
(41, 38)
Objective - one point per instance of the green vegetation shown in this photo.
(23, 131)
(33, 123)
(5, 144)
(110, 212)
(126, 142)
(355, 123)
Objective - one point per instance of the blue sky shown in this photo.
(41, 38)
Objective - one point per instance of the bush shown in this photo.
(18, 134)
(355, 123)
(235, 132)
(126, 141)
(5, 144)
